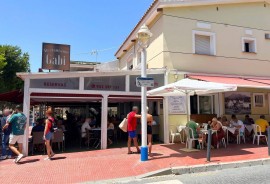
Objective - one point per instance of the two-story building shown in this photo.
(225, 41)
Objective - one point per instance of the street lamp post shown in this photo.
(143, 36)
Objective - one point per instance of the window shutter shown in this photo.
(202, 45)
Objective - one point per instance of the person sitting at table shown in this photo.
(224, 121)
(238, 124)
(110, 130)
(60, 126)
(195, 129)
(248, 120)
(263, 124)
(85, 127)
(39, 127)
(93, 122)
(216, 137)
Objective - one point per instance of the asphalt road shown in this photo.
(246, 175)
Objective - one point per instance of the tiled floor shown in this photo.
(116, 163)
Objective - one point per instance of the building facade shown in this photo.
(220, 41)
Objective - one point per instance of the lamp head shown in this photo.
(144, 35)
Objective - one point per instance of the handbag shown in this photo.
(123, 125)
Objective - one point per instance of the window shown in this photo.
(205, 105)
(204, 43)
(249, 45)
(258, 99)
(202, 104)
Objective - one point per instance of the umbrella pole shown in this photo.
(187, 106)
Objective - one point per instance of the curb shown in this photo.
(188, 170)
(218, 166)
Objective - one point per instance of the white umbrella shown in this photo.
(189, 87)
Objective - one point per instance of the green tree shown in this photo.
(12, 60)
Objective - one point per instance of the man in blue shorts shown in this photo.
(132, 127)
(5, 136)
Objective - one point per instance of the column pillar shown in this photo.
(127, 83)
(26, 109)
(81, 84)
(104, 121)
(166, 121)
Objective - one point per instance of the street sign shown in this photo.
(145, 82)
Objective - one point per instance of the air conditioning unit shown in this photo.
(267, 36)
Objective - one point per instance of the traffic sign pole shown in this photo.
(144, 148)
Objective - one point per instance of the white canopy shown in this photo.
(189, 87)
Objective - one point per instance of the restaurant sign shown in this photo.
(177, 105)
(55, 83)
(112, 83)
(55, 56)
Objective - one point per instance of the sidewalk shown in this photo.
(115, 163)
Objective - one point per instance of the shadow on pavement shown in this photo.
(58, 158)
(156, 154)
(231, 150)
(29, 161)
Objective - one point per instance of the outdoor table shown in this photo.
(206, 131)
(180, 129)
(249, 128)
(96, 129)
(232, 130)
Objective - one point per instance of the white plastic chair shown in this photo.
(175, 134)
(258, 134)
(241, 135)
(190, 138)
(205, 126)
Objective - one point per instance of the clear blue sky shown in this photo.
(84, 24)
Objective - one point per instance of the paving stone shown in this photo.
(116, 163)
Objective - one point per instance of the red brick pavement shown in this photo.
(115, 163)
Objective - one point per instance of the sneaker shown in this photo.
(3, 157)
(19, 158)
(47, 158)
(9, 157)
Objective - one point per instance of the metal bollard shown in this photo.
(209, 140)
(267, 139)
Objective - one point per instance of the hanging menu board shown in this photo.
(177, 105)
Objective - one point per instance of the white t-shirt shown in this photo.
(85, 126)
(238, 123)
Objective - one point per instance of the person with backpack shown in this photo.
(17, 121)
(48, 134)
(6, 154)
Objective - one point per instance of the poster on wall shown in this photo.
(237, 103)
(177, 105)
